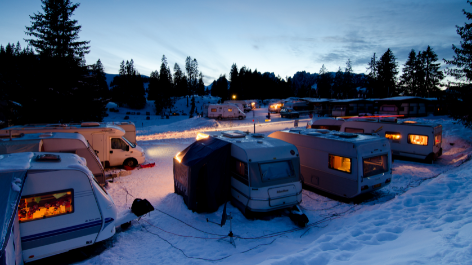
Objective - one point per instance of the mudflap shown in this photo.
(298, 217)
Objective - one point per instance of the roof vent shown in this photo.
(346, 135)
(257, 135)
(48, 158)
(234, 135)
(323, 131)
(90, 124)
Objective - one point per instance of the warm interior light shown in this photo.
(409, 122)
(202, 136)
(393, 136)
(418, 139)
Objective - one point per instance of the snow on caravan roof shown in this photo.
(409, 123)
(336, 136)
(56, 135)
(19, 128)
(257, 147)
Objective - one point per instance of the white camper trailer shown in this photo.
(61, 207)
(265, 172)
(224, 111)
(324, 123)
(129, 127)
(408, 138)
(108, 141)
(343, 164)
(55, 142)
(242, 104)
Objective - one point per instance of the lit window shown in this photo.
(213, 110)
(353, 130)
(340, 163)
(393, 136)
(240, 168)
(45, 205)
(230, 110)
(375, 165)
(418, 139)
(437, 139)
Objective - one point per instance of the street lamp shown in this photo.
(234, 96)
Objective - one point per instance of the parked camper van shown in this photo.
(265, 172)
(129, 127)
(55, 142)
(242, 104)
(108, 141)
(275, 106)
(224, 111)
(61, 206)
(343, 164)
(407, 138)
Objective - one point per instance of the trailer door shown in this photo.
(98, 145)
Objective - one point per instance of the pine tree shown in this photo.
(372, 76)
(324, 83)
(432, 74)
(153, 85)
(387, 75)
(180, 81)
(201, 85)
(192, 110)
(347, 88)
(408, 81)
(234, 80)
(338, 83)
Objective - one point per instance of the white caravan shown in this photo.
(407, 138)
(324, 123)
(265, 172)
(61, 207)
(343, 164)
(242, 104)
(129, 127)
(55, 142)
(108, 141)
(224, 111)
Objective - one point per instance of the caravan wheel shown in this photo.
(240, 117)
(131, 162)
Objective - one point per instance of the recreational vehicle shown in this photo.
(223, 111)
(275, 106)
(242, 104)
(55, 142)
(323, 123)
(408, 138)
(343, 164)
(129, 127)
(56, 203)
(264, 173)
(108, 141)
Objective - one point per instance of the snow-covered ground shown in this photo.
(423, 217)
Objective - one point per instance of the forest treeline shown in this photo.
(50, 81)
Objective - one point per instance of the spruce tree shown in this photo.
(347, 88)
(387, 75)
(372, 76)
(432, 74)
(338, 83)
(408, 82)
(324, 83)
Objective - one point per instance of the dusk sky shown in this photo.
(273, 36)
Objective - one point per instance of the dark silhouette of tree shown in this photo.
(192, 109)
(220, 88)
(338, 83)
(387, 75)
(408, 80)
(324, 83)
(128, 87)
(180, 82)
(432, 74)
(200, 85)
(153, 85)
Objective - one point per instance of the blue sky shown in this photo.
(273, 36)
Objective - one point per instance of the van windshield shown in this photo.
(128, 142)
(276, 170)
(375, 165)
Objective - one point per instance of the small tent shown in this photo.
(201, 174)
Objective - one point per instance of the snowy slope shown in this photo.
(424, 216)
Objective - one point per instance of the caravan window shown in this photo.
(340, 163)
(276, 170)
(393, 136)
(353, 130)
(417, 139)
(375, 165)
(46, 205)
(213, 110)
(118, 143)
(240, 168)
(230, 110)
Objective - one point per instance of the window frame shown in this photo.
(363, 160)
(72, 204)
(356, 130)
(409, 141)
(271, 162)
(244, 177)
(350, 164)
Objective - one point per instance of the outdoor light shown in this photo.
(178, 158)
(202, 136)
(234, 96)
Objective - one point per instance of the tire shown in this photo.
(240, 117)
(131, 162)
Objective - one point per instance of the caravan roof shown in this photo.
(256, 146)
(403, 122)
(84, 125)
(335, 135)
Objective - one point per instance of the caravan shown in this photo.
(108, 141)
(57, 205)
(223, 111)
(55, 142)
(264, 172)
(129, 127)
(408, 138)
(343, 164)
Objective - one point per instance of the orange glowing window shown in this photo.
(213, 110)
(393, 136)
(418, 139)
(340, 163)
(230, 110)
(45, 205)
(437, 139)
